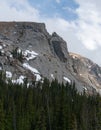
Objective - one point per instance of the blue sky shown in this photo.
(77, 21)
(50, 8)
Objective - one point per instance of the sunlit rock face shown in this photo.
(27, 50)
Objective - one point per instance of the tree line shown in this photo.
(47, 106)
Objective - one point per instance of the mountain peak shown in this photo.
(27, 50)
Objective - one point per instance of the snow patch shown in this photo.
(29, 55)
(74, 57)
(0, 68)
(67, 79)
(33, 70)
(28, 85)
(89, 66)
(52, 76)
(19, 50)
(4, 45)
(99, 75)
(85, 88)
(20, 80)
(8, 74)
(10, 55)
(1, 47)
(2, 51)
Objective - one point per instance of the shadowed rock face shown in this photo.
(59, 47)
(28, 50)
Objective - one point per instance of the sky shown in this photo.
(77, 21)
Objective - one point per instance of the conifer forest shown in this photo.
(47, 106)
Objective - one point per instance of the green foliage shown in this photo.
(17, 54)
(47, 106)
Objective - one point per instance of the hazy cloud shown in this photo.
(82, 34)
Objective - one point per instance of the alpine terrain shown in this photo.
(28, 51)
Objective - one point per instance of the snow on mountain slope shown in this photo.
(28, 50)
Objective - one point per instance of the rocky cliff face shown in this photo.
(86, 71)
(27, 50)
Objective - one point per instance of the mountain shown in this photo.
(86, 71)
(27, 50)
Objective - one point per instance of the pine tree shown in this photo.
(2, 116)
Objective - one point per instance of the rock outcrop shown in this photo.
(27, 50)
(59, 47)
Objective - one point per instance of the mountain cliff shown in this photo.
(27, 50)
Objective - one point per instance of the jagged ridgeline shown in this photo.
(47, 106)
(28, 51)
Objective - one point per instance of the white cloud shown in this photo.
(83, 32)
(17, 10)
(57, 24)
(89, 23)
(86, 28)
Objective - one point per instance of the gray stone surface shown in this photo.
(53, 59)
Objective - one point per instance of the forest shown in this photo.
(47, 106)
